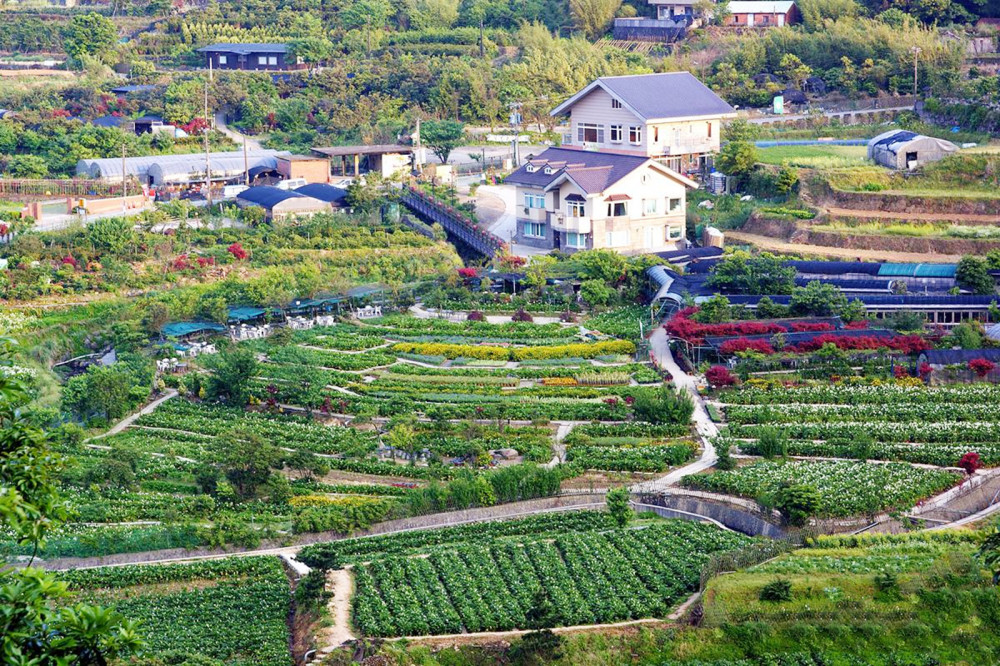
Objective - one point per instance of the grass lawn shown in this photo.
(816, 157)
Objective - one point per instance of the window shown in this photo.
(674, 205)
(534, 230)
(534, 200)
(656, 133)
(617, 208)
(674, 233)
(222, 60)
(590, 133)
(531, 168)
(272, 60)
(616, 133)
(709, 130)
(576, 208)
(615, 104)
(548, 171)
(635, 134)
(261, 60)
(616, 238)
(576, 240)
(649, 206)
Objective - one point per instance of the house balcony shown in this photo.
(686, 147)
(533, 214)
(575, 225)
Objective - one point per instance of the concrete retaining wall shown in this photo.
(736, 519)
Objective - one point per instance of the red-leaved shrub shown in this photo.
(475, 315)
(719, 376)
(970, 462)
(236, 249)
(982, 366)
(735, 345)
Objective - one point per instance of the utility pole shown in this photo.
(417, 153)
(916, 50)
(246, 162)
(208, 155)
(124, 181)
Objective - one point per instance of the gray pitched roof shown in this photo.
(594, 172)
(245, 49)
(657, 96)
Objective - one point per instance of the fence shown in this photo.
(36, 187)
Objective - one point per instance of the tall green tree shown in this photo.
(246, 461)
(90, 34)
(593, 16)
(442, 136)
(744, 273)
(973, 274)
(232, 374)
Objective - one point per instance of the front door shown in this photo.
(556, 240)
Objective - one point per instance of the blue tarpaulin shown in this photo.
(178, 329)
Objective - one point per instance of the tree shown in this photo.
(797, 502)
(89, 34)
(663, 405)
(156, 317)
(740, 129)
(541, 646)
(596, 293)
(794, 70)
(402, 437)
(817, 299)
(967, 335)
(743, 273)
(989, 553)
(312, 50)
(245, 460)
(111, 234)
(442, 136)
(788, 178)
(617, 501)
(27, 166)
(593, 16)
(973, 274)
(232, 374)
(737, 159)
(715, 310)
(605, 265)
(39, 624)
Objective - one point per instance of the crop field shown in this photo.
(929, 425)
(233, 610)
(846, 488)
(815, 157)
(589, 577)
(629, 447)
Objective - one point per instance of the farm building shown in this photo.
(761, 13)
(902, 149)
(312, 168)
(170, 169)
(335, 196)
(246, 56)
(279, 204)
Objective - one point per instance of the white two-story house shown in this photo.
(673, 118)
(569, 199)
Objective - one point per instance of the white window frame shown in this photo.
(675, 204)
(583, 128)
(576, 208)
(581, 240)
(635, 135)
(613, 206)
(673, 233)
(649, 206)
(261, 60)
(532, 229)
(272, 60)
(223, 60)
(534, 201)
(617, 133)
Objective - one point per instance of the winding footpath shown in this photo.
(660, 349)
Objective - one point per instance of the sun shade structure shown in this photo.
(181, 329)
(138, 167)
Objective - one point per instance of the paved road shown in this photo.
(223, 128)
(660, 349)
(129, 420)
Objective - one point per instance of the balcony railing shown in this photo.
(649, 30)
(575, 225)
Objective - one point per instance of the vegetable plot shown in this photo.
(846, 488)
(590, 577)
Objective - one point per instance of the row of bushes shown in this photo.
(494, 353)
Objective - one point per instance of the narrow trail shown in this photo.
(776, 245)
(341, 584)
(948, 218)
(132, 418)
(705, 427)
(223, 128)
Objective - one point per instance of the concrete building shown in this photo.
(673, 118)
(312, 168)
(570, 199)
(761, 14)
(902, 149)
(280, 204)
(384, 159)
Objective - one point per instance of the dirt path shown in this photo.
(341, 584)
(914, 217)
(129, 420)
(775, 245)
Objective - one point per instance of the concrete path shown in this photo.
(129, 420)
(705, 427)
(223, 128)
(341, 584)
(558, 448)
